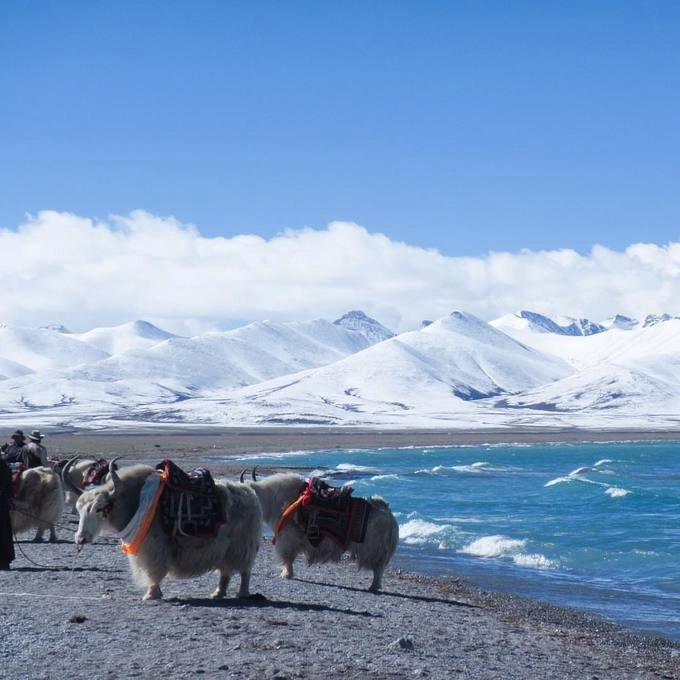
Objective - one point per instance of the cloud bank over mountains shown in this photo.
(82, 272)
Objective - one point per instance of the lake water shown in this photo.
(593, 526)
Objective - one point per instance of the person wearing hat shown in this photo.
(36, 453)
(13, 452)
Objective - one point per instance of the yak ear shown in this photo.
(117, 483)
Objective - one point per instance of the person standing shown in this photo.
(36, 452)
(14, 452)
(6, 541)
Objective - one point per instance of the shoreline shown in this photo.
(241, 441)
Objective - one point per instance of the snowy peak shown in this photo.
(359, 322)
(654, 319)
(527, 321)
(620, 322)
(571, 326)
(132, 335)
(538, 323)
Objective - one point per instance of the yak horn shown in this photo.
(67, 480)
(117, 483)
(243, 472)
(253, 475)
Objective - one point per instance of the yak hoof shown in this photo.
(153, 593)
(217, 594)
(38, 539)
(287, 572)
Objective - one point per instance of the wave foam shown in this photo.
(508, 548)
(559, 480)
(616, 492)
(494, 546)
(419, 531)
(350, 467)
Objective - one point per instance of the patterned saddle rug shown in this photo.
(323, 511)
(95, 473)
(191, 504)
(16, 469)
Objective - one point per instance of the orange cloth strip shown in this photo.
(132, 548)
(286, 517)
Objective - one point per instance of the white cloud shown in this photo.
(62, 268)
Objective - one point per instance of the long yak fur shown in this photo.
(38, 502)
(278, 491)
(112, 505)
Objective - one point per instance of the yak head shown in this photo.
(94, 506)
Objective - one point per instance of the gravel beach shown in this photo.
(63, 615)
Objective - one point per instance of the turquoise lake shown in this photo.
(592, 526)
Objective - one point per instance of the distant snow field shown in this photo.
(520, 370)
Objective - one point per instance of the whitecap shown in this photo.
(418, 531)
(559, 480)
(616, 492)
(494, 546)
(350, 467)
(474, 468)
(503, 547)
(376, 478)
(604, 461)
(534, 561)
(579, 471)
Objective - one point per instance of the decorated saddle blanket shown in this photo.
(95, 473)
(191, 504)
(323, 511)
(16, 469)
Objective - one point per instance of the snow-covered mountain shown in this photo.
(538, 323)
(41, 349)
(523, 369)
(624, 323)
(146, 365)
(440, 368)
(128, 336)
(369, 328)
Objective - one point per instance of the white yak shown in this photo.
(113, 505)
(38, 502)
(73, 475)
(278, 491)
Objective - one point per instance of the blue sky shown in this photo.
(467, 127)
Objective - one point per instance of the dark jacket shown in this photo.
(6, 542)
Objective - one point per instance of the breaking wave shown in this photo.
(616, 492)
(502, 547)
(350, 467)
(473, 468)
(419, 532)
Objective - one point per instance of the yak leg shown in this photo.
(53, 534)
(38, 538)
(376, 585)
(244, 590)
(287, 550)
(152, 575)
(222, 586)
(153, 592)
